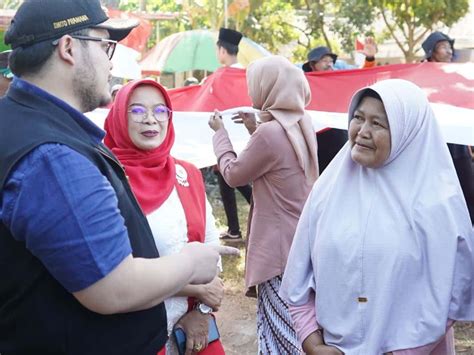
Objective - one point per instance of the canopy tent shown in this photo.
(194, 50)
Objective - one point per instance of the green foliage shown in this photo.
(3, 46)
(407, 21)
(354, 20)
(424, 13)
(9, 4)
(205, 14)
(270, 23)
(304, 24)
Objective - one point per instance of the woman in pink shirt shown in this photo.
(280, 160)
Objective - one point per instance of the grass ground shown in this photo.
(238, 323)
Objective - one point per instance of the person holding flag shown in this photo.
(439, 48)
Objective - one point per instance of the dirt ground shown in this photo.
(237, 326)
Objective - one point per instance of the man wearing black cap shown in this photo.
(227, 50)
(228, 47)
(322, 59)
(439, 48)
(330, 141)
(6, 75)
(80, 271)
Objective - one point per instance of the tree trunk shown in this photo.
(410, 56)
(142, 5)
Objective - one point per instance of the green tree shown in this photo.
(319, 17)
(317, 14)
(161, 28)
(354, 19)
(271, 23)
(268, 22)
(407, 21)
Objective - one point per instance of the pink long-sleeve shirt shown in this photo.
(279, 193)
(304, 322)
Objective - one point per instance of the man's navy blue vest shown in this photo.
(37, 315)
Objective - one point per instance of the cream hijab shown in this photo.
(281, 90)
(387, 251)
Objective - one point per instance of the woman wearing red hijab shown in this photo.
(171, 193)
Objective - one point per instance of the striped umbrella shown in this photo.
(194, 50)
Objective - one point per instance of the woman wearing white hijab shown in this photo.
(383, 252)
(281, 161)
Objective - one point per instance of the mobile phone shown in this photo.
(180, 339)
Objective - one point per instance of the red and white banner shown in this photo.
(445, 83)
(449, 87)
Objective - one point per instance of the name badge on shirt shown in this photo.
(181, 176)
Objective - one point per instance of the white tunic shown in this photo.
(168, 225)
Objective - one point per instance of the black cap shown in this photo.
(230, 36)
(41, 20)
(316, 54)
(432, 40)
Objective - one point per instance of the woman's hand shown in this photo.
(314, 345)
(215, 122)
(196, 326)
(212, 293)
(248, 119)
(370, 47)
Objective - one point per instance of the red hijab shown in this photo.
(152, 172)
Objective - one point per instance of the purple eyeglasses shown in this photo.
(139, 113)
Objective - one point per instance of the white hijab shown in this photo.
(398, 235)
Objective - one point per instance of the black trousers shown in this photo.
(329, 144)
(230, 204)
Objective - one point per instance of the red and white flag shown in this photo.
(449, 87)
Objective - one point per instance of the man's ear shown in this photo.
(68, 49)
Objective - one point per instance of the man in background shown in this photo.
(322, 59)
(227, 50)
(439, 48)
